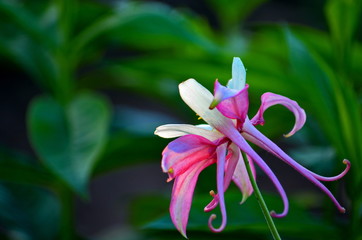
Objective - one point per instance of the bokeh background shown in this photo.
(86, 82)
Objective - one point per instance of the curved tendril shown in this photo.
(259, 139)
(333, 178)
(221, 152)
(231, 161)
(286, 158)
(277, 185)
(245, 147)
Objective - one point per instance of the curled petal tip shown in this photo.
(278, 215)
(342, 210)
(216, 230)
(345, 161)
(211, 218)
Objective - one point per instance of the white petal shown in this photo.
(238, 75)
(178, 130)
(205, 126)
(198, 99)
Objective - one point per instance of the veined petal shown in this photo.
(253, 135)
(198, 99)
(221, 153)
(271, 99)
(236, 107)
(182, 193)
(184, 152)
(178, 130)
(238, 75)
(241, 177)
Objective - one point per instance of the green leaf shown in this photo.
(20, 168)
(32, 58)
(125, 149)
(232, 12)
(150, 26)
(70, 139)
(28, 212)
(344, 19)
(248, 218)
(15, 13)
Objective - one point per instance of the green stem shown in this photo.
(67, 231)
(261, 202)
(65, 77)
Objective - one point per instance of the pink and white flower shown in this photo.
(222, 141)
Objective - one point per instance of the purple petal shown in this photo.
(221, 152)
(182, 193)
(184, 152)
(271, 99)
(253, 135)
(231, 104)
(236, 138)
(221, 93)
(231, 162)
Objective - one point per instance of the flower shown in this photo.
(222, 141)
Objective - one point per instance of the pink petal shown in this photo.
(184, 152)
(253, 135)
(271, 99)
(182, 193)
(232, 104)
(221, 152)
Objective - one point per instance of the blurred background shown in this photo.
(86, 82)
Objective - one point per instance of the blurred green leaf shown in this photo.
(344, 19)
(248, 218)
(146, 26)
(28, 213)
(32, 58)
(147, 208)
(315, 157)
(311, 76)
(231, 13)
(15, 13)
(69, 140)
(125, 148)
(20, 168)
